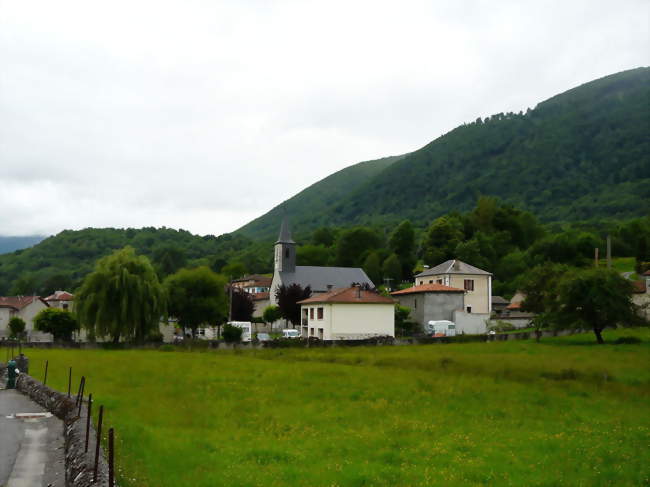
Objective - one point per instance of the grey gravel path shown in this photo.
(31, 448)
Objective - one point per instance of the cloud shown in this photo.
(203, 115)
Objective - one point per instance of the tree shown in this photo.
(372, 267)
(287, 298)
(596, 299)
(402, 243)
(324, 236)
(232, 334)
(402, 324)
(59, 322)
(197, 297)
(17, 327)
(122, 297)
(316, 255)
(392, 269)
(242, 306)
(271, 314)
(353, 244)
(169, 259)
(234, 269)
(441, 239)
(540, 286)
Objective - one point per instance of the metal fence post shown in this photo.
(69, 380)
(88, 414)
(99, 437)
(47, 363)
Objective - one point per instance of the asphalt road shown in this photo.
(31, 448)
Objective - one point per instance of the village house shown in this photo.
(320, 279)
(351, 313)
(430, 302)
(641, 294)
(25, 307)
(60, 299)
(455, 273)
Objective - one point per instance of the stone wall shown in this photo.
(79, 465)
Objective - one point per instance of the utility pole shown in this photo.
(230, 301)
(596, 256)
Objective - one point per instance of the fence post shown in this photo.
(47, 363)
(88, 414)
(99, 437)
(69, 380)
(111, 455)
(80, 398)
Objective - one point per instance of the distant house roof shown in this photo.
(639, 287)
(514, 306)
(257, 278)
(19, 302)
(499, 300)
(60, 296)
(261, 296)
(453, 267)
(319, 278)
(647, 273)
(349, 295)
(428, 288)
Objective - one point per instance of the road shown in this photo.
(31, 448)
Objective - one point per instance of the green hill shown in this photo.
(309, 208)
(581, 155)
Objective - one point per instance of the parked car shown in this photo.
(290, 333)
(263, 337)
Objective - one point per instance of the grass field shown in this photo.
(561, 412)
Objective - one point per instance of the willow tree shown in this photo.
(121, 298)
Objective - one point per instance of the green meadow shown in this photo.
(561, 412)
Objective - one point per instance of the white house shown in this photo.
(25, 307)
(476, 282)
(61, 299)
(348, 314)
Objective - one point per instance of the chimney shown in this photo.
(329, 287)
(456, 265)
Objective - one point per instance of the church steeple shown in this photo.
(285, 250)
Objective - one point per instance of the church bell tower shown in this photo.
(285, 250)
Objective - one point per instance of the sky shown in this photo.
(203, 115)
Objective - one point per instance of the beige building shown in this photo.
(348, 314)
(476, 283)
(60, 299)
(25, 307)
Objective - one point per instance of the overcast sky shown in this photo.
(205, 115)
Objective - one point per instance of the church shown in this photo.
(320, 279)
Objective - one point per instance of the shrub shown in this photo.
(16, 327)
(167, 348)
(628, 341)
(231, 334)
(501, 326)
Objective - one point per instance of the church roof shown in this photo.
(285, 233)
(319, 278)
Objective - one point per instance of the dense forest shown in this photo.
(494, 236)
(581, 155)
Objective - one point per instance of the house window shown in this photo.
(311, 313)
(415, 305)
(286, 253)
(469, 284)
(320, 333)
(320, 313)
(439, 281)
(311, 332)
(64, 305)
(431, 281)
(469, 309)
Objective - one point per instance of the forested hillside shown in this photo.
(581, 155)
(309, 208)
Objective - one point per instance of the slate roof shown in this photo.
(453, 267)
(428, 288)
(285, 234)
(499, 300)
(349, 295)
(319, 278)
(18, 302)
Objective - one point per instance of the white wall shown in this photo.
(471, 323)
(353, 321)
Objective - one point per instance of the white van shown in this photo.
(246, 329)
(441, 328)
(290, 333)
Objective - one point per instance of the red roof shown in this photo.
(349, 295)
(428, 288)
(18, 302)
(638, 287)
(647, 273)
(261, 296)
(60, 296)
(514, 305)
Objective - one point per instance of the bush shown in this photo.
(501, 326)
(628, 341)
(231, 334)
(155, 337)
(167, 348)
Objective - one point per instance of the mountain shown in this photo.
(309, 208)
(9, 244)
(581, 155)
